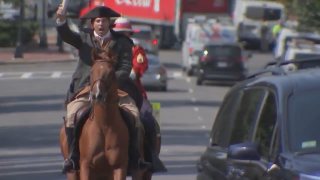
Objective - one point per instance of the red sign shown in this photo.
(205, 6)
(153, 10)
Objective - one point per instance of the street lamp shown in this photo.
(18, 53)
(43, 36)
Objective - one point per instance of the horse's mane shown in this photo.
(105, 55)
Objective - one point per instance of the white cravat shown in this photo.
(103, 37)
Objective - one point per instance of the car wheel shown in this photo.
(163, 88)
(190, 72)
(199, 82)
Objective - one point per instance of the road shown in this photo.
(31, 114)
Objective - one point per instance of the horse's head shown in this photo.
(102, 78)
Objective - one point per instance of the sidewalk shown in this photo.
(34, 54)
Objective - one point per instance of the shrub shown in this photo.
(9, 32)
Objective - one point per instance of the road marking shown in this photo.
(196, 109)
(193, 100)
(1, 74)
(203, 127)
(188, 80)
(26, 75)
(190, 90)
(56, 74)
(199, 118)
(177, 74)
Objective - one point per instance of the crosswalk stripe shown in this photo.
(26, 75)
(56, 74)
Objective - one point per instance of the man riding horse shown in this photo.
(140, 66)
(78, 95)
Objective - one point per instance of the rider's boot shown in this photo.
(72, 162)
(136, 162)
(157, 164)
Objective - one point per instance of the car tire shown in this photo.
(163, 88)
(190, 72)
(199, 82)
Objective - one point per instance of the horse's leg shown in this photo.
(64, 151)
(86, 171)
(120, 174)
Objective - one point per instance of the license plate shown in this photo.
(222, 64)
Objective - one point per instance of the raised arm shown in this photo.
(64, 31)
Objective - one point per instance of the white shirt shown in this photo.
(103, 37)
(95, 34)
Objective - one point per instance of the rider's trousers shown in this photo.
(81, 101)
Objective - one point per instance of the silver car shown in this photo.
(144, 37)
(156, 75)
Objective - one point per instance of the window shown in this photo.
(264, 128)
(221, 127)
(223, 51)
(304, 121)
(265, 13)
(246, 115)
(142, 35)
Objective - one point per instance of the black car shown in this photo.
(267, 128)
(73, 9)
(221, 61)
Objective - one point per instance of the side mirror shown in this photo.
(244, 151)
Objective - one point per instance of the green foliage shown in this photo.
(9, 32)
(307, 11)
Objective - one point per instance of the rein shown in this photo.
(105, 95)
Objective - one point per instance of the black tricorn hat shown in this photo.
(101, 11)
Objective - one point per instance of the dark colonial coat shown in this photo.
(84, 41)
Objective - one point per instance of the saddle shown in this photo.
(83, 114)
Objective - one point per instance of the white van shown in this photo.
(286, 36)
(250, 16)
(197, 34)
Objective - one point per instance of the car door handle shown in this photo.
(236, 171)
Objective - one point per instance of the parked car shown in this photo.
(156, 75)
(267, 127)
(144, 36)
(223, 62)
(73, 9)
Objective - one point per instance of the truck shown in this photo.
(168, 18)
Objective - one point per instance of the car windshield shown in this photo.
(142, 35)
(306, 55)
(304, 120)
(153, 60)
(223, 51)
(265, 13)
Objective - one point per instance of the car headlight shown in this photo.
(308, 177)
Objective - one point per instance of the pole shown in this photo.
(18, 53)
(43, 36)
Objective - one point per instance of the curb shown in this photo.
(39, 62)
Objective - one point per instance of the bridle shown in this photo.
(105, 95)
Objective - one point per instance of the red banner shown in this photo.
(205, 6)
(161, 10)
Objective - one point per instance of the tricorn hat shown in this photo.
(101, 11)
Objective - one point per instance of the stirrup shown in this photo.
(64, 162)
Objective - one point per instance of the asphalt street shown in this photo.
(31, 114)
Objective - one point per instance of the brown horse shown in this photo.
(104, 138)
